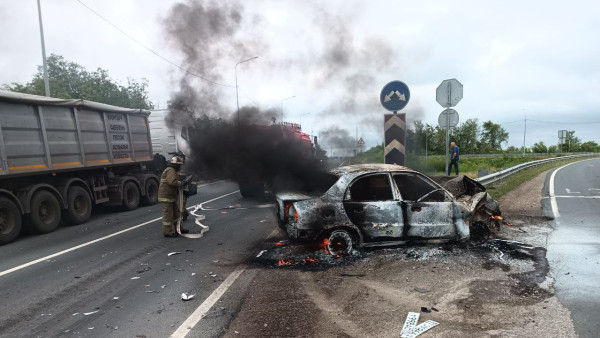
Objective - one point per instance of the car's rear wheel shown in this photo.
(339, 243)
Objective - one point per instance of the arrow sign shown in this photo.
(394, 96)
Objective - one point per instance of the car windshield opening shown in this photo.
(413, 187)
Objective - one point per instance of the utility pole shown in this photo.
(45, 65)
(524, 133)
(237, 97)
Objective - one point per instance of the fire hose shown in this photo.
(199, 218)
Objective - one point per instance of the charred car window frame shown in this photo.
(348, 194)
(424, 181)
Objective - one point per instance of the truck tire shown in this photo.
(131, 196)
(79, 206)
(10, 221)
(45, 212)
(151, 197)
(252, 189)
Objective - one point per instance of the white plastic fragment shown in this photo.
(174, 253)
(75, 314)
(115, 298)
(136, 277)
(193, 273)
(261, 253)
(185, 296)
(419, 329)
(89, 313)
(411, 322)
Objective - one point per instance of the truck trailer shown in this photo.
(60, 157)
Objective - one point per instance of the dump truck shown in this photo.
(59, 158)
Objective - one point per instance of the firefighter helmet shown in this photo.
(176, 160)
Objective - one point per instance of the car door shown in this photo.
(429, 209)
(374, 207)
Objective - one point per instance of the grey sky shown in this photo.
(513, 57)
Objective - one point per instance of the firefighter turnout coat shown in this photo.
(168, 191)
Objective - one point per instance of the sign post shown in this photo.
(448, 94)
(394, 97)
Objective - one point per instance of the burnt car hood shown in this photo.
(471, 196)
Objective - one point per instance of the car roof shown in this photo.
(372, 167)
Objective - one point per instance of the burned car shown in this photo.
(373, 204)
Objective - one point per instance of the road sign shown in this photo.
(361, 141)
(394, 96)
(449, 92)
(448, 118)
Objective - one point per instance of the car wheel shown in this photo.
(10, 221)
(79, 206)
(339, 243)
(131, 196)
(45, 212)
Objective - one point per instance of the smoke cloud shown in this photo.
(212, 36)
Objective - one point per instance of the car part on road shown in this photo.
(79, 205)
(186, 297)
(10, 221)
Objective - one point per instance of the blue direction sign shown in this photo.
(394, 96)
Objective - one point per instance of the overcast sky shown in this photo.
(514, 58)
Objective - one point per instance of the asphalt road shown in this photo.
(574, 246)
(127, 284)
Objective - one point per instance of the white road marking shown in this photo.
(593, 189)
(22, 266)
(552, 196)
(571, 192)
(195, 317)
(584, 197)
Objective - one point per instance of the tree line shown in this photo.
(487, 138)
(69, 80)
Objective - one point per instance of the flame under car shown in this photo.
(369, 205)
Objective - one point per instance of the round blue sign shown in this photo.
(394, 96)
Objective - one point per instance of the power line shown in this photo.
(550, 122)
(150, 50)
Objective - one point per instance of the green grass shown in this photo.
(513, 181)
(435, 165)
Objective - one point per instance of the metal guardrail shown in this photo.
(492, 178)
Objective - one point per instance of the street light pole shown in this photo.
(237, 98)
(282, 105)
(45, 65)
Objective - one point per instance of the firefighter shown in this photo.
(167, 196)
(185, 186)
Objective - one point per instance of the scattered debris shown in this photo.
(261, 253)
(115, 298)
(421, 290)
(352, 274)
(163, 286)
(75, 314)
(410, 329)
(152, 291)
(193, 273)
(213, 276)
(144, 269)
(77, 277)
(137, 277)
(425, 309)
(90, 313)
(185, 296)
(173, 253)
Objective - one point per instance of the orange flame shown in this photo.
(285, 262)
(497, 218)
(279, 244)
(309, 260)
(324, 245)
